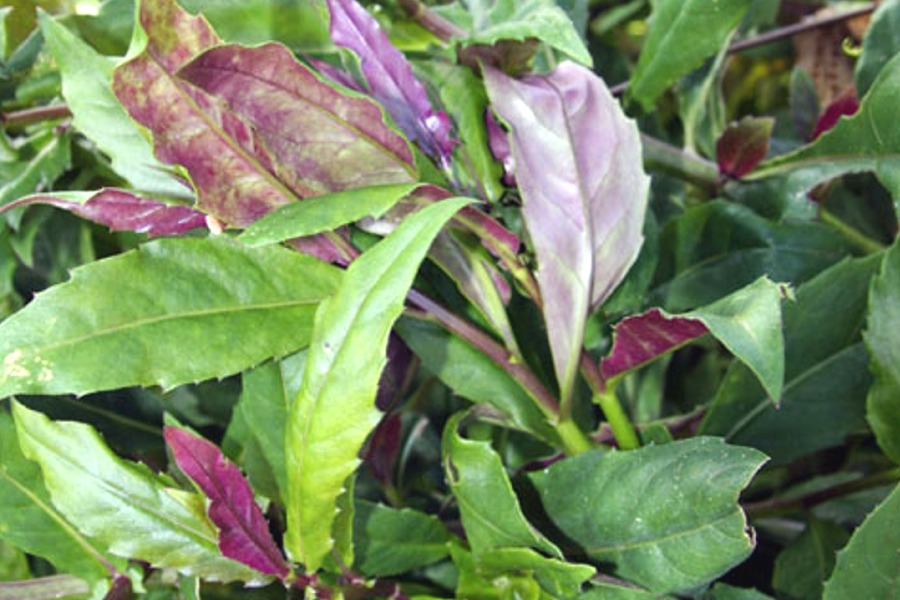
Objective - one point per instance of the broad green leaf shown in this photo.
(867, 141)
(29, 520)
(86, 84)
(880, 44)
(488, 505)
(557, 578)
(611, 591)
(389, 541)
(869, 566)
(165, 314)
(324, 213)
(51, 158)
(473, 583)
(672, 46)
(13, 562)
(723, 591)
(826, 375)
(803, 566)
(99, 492)
(883, 344)
(335, 409)
(474, 376)
(665, 517)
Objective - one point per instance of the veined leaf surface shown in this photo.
(335, 410)
(173, 311)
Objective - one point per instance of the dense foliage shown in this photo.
(406, 299)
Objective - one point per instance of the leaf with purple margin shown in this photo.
(121, 210)
(579, 168)
(243, 532)
(390, 78)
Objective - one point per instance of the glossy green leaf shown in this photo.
(324, 213)
(826, 375)
(99, 492)
(335, 409)
(476, 584)
(86, 84)
(389, 541)
(165, 314)
(867, 141)
(612, 591)
(488, 505)
(880, 44)
(29, 520)
(672, 46)
(869, 566)
(665, 517)
(883, 344)
(803, 566)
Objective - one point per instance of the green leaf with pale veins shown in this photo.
(335, 409)
(121, 504)
(171, 312)
(665, 517)
(882, 338)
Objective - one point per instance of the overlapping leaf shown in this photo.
(174, 311)
(879, 45)
(579, 168)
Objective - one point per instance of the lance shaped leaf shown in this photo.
(121, 210)
(164, 314)
(335, 409)
(390, 78)
(322, 139)
(579, 168)
(99, 492)
(243, 532)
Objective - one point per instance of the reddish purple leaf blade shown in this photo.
(384, 448)
(743, 145)
(845, 106)
(642, 338)
(390, 78)
(121, 210)
(243, 532)
(499, 144)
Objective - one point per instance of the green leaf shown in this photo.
(100, 492)
(702, 106)
(29, 520)
(880, 44)
(557, 578)
(883, 344)
(867, 141)
(51, 158)
(611, 591)
(826, 377)
(13, 562)
(390, 541)
(666, 517)
(324, 213)
(488, 505)
(869, 567)
(475, 584)
(803, 566)
(723, 591)
(672, 46)
(142, 318)
(335, 409)
(46, 588)
(86, 84)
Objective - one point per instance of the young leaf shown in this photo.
(883, 344)
(868, 566)
(743, 145)
(666, 517)
(390, 78)
(488, 506)
(164, 314)
(121, 210)
(880, 44)
(99, 492)
(672, 47)
(335, 409)
(585, 222)
(243, 532)
(557, 578)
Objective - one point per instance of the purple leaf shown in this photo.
(390, 78)
(499, 144)
(384, 448)
(579, 168)
(641, 338)
(743, 145)
(844, 106)
(243, 532)
(121, 210)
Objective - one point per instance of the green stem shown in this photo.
(573, 438)
(851, 234)
(623, 430)
(687, 166)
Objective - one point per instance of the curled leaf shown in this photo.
(743, 145)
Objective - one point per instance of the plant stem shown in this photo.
(27, 116)
(573, 439)
(436, 24)
(663, 156)
(605, 397)
(851, 234)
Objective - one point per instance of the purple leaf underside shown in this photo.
(243, 532)
(743, 145)
(121, 210)
(390, 78)
(642, 338)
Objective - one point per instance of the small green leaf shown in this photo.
(803, 566)
(558, 578)
(869, 566)
(488, 505)
(666, 517)
(171, 312)
(335, 409)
